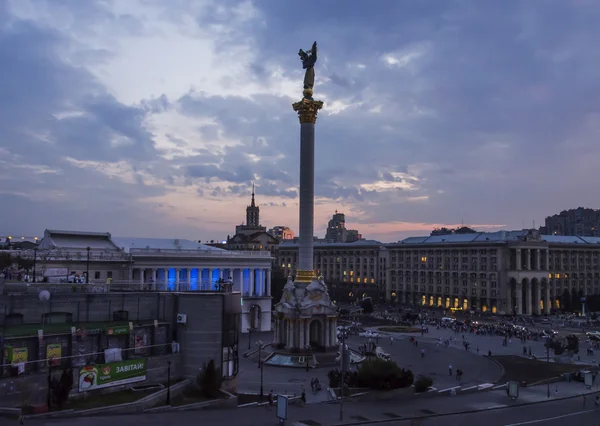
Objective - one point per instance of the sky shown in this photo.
(153, 118)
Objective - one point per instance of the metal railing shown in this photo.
(116, 286)
(191, 252)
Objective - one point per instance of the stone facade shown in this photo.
(510, 272)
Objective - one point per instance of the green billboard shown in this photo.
(98, 376)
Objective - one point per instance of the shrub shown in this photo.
(207, 380)
(423, 383)
(383, 375)
(350, 378)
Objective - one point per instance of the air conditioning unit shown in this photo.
(181, 318)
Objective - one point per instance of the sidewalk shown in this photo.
(329, 414)
(357, 411)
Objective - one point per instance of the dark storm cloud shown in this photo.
(487, 109)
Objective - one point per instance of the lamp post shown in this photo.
(49, 395)
(34, 262)
(168, 382)
(261, 366)
(249, 338)
(342, 368)
(87, 268)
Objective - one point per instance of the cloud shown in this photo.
(125, 115)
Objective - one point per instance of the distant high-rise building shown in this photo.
(580, 221)
(282, 232)
(337, 232)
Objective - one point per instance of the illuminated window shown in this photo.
(549, 275)
(289, 265)
(365, 281)
(424, 259)
(351, 273)
(351, 280)
(344, 273)
(283, 265)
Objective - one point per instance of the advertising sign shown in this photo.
(100, 376)
(282, 407)
(53, 354)
(17, 355)
(119, 330)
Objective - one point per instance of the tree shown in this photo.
(5, 260)
(24, 263)
(367, 305)
(278, 281)
(568, 344)
(383, 375)
(60, 393)
(565, 300)
(207, 380)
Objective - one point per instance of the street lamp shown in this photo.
(261, 366)
(87, 269)
(168, 382)
(34, 262)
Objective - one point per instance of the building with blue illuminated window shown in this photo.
(160, 264)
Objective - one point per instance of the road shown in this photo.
(494, 409)
(557, 413)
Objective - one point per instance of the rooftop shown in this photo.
(318, 244)
(76, 240)
(131, 243)
(495, 237)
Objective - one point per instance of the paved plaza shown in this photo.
(478, 369)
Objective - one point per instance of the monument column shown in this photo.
(307, 110)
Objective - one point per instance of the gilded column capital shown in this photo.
(307, 110)
(304, 276)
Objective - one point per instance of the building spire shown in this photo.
(253, 205)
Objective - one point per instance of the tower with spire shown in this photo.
(253, 213)
(252, 225)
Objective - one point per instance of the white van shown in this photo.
(447, 320)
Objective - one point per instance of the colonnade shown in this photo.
(300, 333)
(251, 282)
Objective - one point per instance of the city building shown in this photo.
(158, 264)
(50, 329)
(252, 235)
(282, 233)
(337, 232)
(580, 221)
(508, 272)
(350, 270)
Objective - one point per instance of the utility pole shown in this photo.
(548, 360)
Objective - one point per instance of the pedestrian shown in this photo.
(271, 398)
(391, 341)
(303, 398)
(584, 400)
(21, 418)
(450, 369)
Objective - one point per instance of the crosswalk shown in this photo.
(469, 388)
